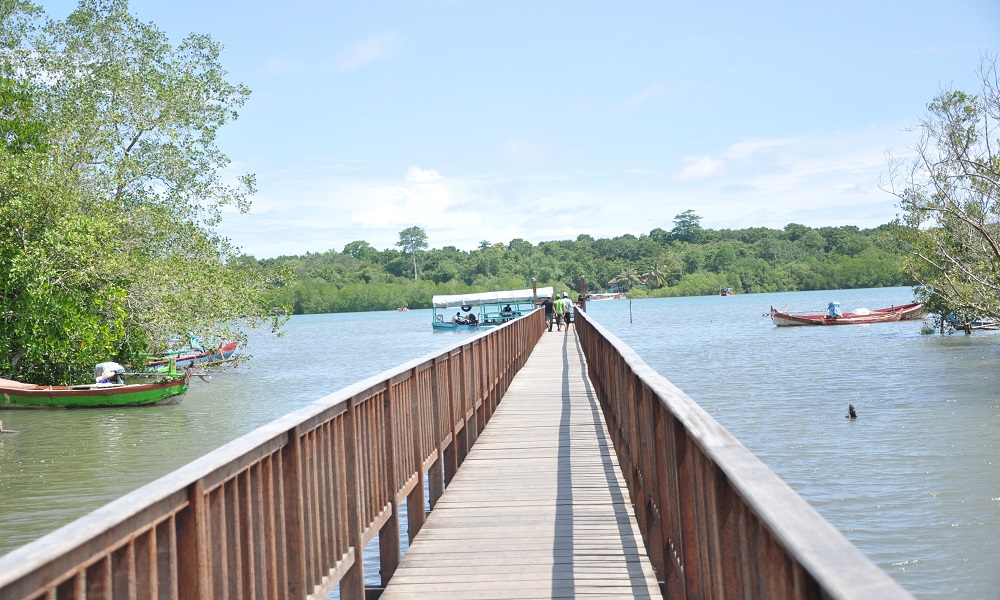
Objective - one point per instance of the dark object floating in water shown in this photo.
(850, 412)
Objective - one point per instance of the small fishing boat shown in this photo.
(189, 355)
(601, 296)
(858, 316)
(167, 389)
(484, 309)
(726, 291)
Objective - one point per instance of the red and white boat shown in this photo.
(859, 316)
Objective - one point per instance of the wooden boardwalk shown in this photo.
(539, 508)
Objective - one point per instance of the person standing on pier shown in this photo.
(567, 312)
(557, 306)
(550, 313)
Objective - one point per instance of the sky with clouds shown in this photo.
(544, 120)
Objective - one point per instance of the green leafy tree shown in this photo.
(411, 240)
(687, 227)
(950, 198)
(361, 250)
(116, 205)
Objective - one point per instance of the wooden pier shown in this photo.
(555, 465)
(539, 508)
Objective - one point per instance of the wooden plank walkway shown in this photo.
(539, 508)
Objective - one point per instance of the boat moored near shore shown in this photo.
(859, 316)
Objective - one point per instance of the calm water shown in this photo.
(914, 482)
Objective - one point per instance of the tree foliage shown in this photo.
(950, 201)
(659, 264)
(411, 240)
(109, 208)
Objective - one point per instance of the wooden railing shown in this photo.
(716, 521)
(286, 511)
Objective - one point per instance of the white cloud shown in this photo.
(418, 175)
(815, 181)
(524, 152)
(372, 49)
(747, 148)
(653, 92)
(699, 167)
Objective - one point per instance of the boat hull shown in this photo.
(904, 312)
(14, 394)
(453, 327)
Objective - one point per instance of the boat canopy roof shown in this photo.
(504, 297)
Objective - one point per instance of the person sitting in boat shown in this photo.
(471, 320)
(506, 312)
(109, 372)
(458, 320)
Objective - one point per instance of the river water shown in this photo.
(914, 482)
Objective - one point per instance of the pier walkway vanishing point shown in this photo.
(539, 508)
(555, 465)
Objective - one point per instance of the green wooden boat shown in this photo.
(166, 389)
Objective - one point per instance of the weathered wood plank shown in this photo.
(539, 508)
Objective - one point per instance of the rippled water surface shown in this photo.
(914, 481)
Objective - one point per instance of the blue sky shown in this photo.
(546, 120)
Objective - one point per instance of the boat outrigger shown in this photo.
(484, 309)
(190, 354)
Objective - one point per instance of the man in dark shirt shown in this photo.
(550, 311)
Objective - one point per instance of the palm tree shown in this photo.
(629, 278)
(658, 274)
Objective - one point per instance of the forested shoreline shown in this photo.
(687, 260)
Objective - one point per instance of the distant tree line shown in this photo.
(687, 260)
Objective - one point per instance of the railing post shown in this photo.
(415, 513)
(436, 476)
(464, 441)
(388, 535)
(650, 478)
(192, 547)
(352, 586)
(291, 485)
(451, 453)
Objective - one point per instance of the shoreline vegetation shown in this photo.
(685, 261)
